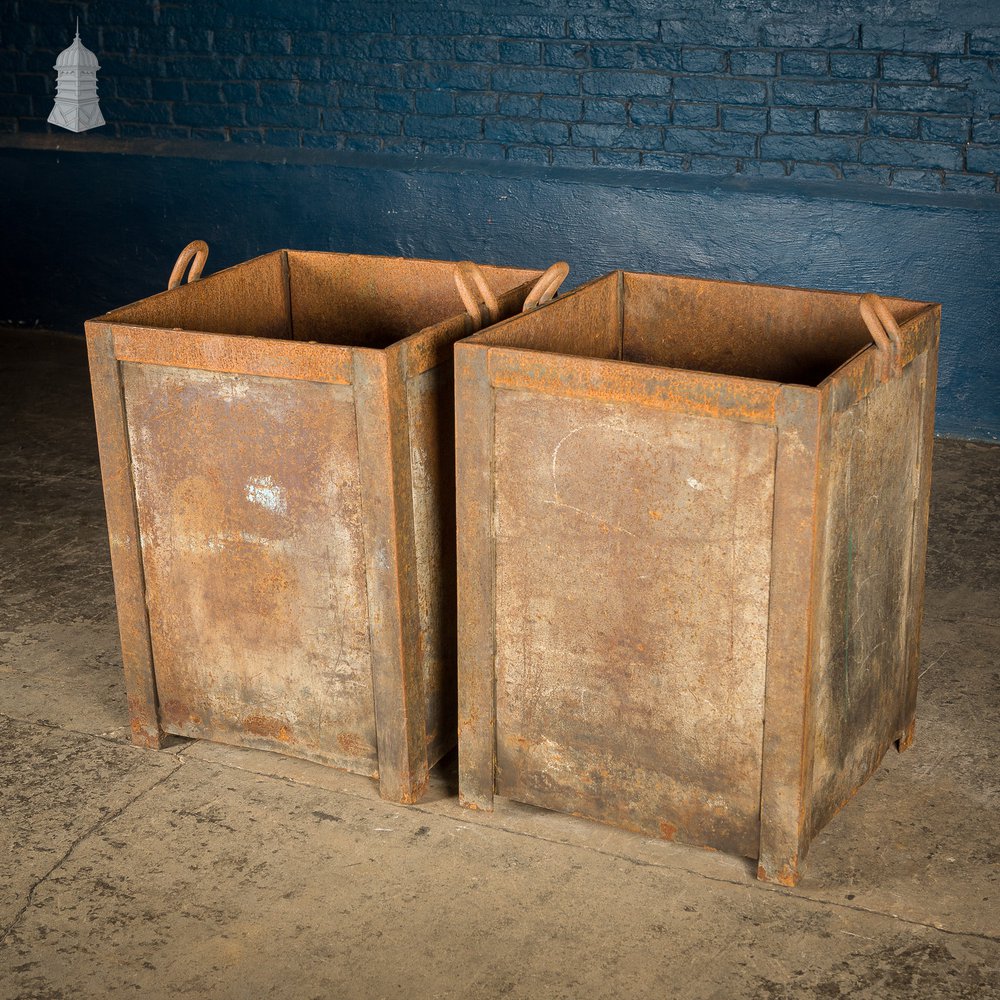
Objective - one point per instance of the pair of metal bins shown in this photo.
(277, 450)
(691, 535)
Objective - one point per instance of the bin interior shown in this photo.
(788, 335)
(345, 299)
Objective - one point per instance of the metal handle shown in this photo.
(884, 331)
(196, 250)
(546, 286)
(484, 307)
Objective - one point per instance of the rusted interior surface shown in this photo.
(785, 335)
(874, 455)
(632, 563)
(254, 561)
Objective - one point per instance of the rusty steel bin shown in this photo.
(277, 452)
(692, 525)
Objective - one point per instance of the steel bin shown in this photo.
(277, 452)
(692, 525)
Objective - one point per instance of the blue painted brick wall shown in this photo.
(820, 91)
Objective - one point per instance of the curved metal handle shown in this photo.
(884, 331)
(546, 286)
(484, 307)
(196, 250)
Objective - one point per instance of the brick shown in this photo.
(789, 147)
(349, 47)
(566, 56)
(275, 43)
(535, 81)
(173, 90)
(954, 130)
(823, 95)
(917, 180)
(753, 63)
(236, 90)
(566, 156)
(626, 84)
(521, 53)
(983, 159)
(443, 76)
(703, 60)
(752, 120)
(433, 49)
(853, 66)
(485, 151)
(256, 68)
(787, 121)
(402, 146)
(986, 133)
(965, 71)
(192, 114)
(519, 105)
(628, 29)
(353, 96)
(842, 122)
(210, 134)
(529, 154)
(905, 152)
(567, 109)
(301, 116)
(311, 43)
(970, 183)
(737, 32)
(254, 137)
(804, 63)
(399, 101)
(523, 26)
(985, 42)
(614, 56)
(815, 172)
(475, 104)
(912, 38)
(434, 102)
(604, 111)
(484, 50)
(695, 115)
(652, 114)
(864, 173)
(341, 120)
(668, 162)
(763, 168)
(271, 92)
(917, 68)
(387, 49)
(718, 90)
(900, 126)
(138, 89)
(441, 128)
(689, 140)
(526, 131)
(617, 137)
(947, 100)
(717, 166)
(362, 143)
(619, 158)
(813, 34)
(656, 56)
(443, 147)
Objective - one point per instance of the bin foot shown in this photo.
(905, 739)
(786, 874)
(148, 737)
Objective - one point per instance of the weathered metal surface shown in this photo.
(598, 587)
(283, 448)
(632, 560)
(250, 514)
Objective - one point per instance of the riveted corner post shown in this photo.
(123, 535)
(476, 576)
(390, 557)
(788, 735)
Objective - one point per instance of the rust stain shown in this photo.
(668, 831)
(272, 729)
(353, 745)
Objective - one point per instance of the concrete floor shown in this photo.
(204, 871)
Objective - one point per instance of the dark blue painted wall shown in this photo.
(851, 146)
(98, 230)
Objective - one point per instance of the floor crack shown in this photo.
(89, 832)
